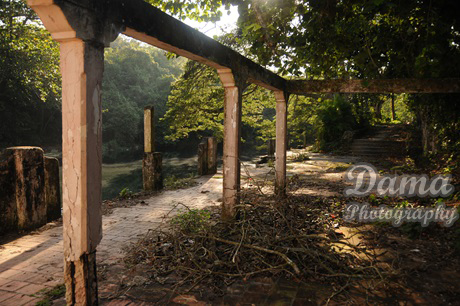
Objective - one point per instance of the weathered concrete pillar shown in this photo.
(207, 156)
(152, 171)
(82, 32)
(203, 157)
(271, 147)
(152, 163)
(232, 129)
(281, 142)
(52, 189)
(211, 155)
(82, 67)
(28, 177)
(29, 189)
(149, 129)
(8, 208)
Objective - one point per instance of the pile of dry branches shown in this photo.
(296, 238)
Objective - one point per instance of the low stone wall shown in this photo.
(29, 189)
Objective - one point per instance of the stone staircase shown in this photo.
(381, 141)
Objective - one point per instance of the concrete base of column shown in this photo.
(81, 280)
(152, 171)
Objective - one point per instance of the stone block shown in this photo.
(52, 189)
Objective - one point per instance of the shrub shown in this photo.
(334, 118)
(192, 221)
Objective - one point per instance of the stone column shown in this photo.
(281, 143)
(211, 155)
(152, 163)
(271, 147)
(207, 156)
(8, 207)
(83, 33)
(232, 127)
(82, 65)
(149, 129)
(28, 176)
(203, 157)
(152, 171)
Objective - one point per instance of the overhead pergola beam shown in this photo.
(301, 87)
(142, 21)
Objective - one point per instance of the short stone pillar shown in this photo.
(52, 189)
(8, 209)
(271, 147)
(30, 193)
(207, 156)
(28, 177)
(152, 168)
(152, 171)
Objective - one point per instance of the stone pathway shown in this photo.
(35, 262)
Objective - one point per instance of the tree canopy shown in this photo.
(334, 38)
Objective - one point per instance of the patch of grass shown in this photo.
(50, 294)
(131, 181)
(113, 171)
(192, 221)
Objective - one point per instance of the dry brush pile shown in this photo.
(295, 238)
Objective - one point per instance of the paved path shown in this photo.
(35, 262)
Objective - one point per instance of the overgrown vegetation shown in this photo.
(191, 221)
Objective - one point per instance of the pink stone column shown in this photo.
(281, 143)
(231, 154)
(82, 67)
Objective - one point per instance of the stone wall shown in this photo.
(29, 189)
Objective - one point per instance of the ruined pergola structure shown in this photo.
(83, 28)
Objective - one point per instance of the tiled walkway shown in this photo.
(35, 262)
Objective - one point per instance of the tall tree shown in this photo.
(29, 79)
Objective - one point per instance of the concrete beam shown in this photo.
(142, 21)
(301, 87)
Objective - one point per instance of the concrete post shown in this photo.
(271, 147)
(52, 189)
(281, 143)
(207, 156)
(231, 156)
(8, 207)
(152, 164)
(28, 177)
(212, 155)
(152, 171)
(82, 67)
(203, 157)
(149, 130)
(82, 42)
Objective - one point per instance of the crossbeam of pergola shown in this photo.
(302, 87)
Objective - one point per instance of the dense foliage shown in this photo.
(135, 76)
(196, 106)
(304, 38)
(29, 79)
(358, 39)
